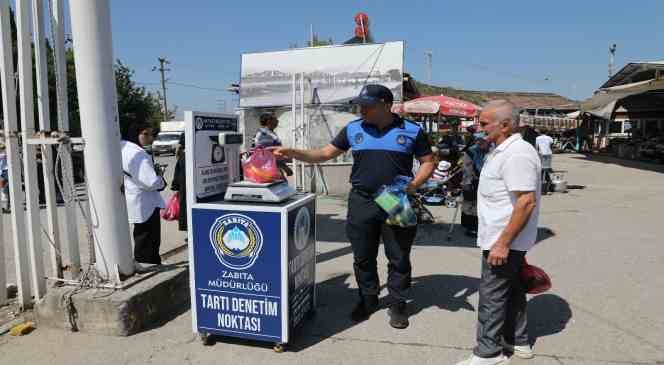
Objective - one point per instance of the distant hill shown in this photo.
(520, 99)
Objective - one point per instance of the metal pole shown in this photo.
(70, 221)
(612, 54)
(163, 61)
(364, 33)
(91, 28)
(429, 63)
(294, 124)
(53, 233)
(29, 151)
(3, 280)
(301, 128)
(311, 36)
(16, 195)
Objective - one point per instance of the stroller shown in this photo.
(437, 192)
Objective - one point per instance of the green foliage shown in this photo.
(135, 104)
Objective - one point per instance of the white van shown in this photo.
(166, 143)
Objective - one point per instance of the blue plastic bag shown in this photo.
(394, 200)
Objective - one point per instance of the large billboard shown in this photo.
(333, 74)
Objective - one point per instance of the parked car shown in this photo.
(166, 143)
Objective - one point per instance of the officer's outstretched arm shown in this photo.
(312, 156)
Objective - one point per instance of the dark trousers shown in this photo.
(469, 222)
(365, 227)
(502, 308)
(147, 238)
(547, 184)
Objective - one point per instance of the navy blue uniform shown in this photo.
(379, 156)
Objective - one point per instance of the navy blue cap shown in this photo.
(372, 94)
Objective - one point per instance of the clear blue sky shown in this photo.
(490, 45)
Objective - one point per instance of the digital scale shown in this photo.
(247, 191)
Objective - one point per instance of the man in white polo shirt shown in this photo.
(543, 143)
(508, 210)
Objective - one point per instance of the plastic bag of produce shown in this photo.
(261, 167)
(394, 200)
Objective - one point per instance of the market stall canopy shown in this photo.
(437, 104)
(603, 103)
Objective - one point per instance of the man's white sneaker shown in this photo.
(522, 352)
(475, 360)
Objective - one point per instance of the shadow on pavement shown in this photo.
(632, 164)
(447, 292)
(548, 314)
(331, 229)
(336, 300)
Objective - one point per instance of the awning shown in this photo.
(438, 104)
(604, 101)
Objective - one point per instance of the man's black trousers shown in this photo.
(365, 228)
(147, 238)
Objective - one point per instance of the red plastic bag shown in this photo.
(534, 278)
(261, 167)
(172, 210)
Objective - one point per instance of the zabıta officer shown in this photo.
(383, 146)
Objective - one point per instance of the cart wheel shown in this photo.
(279, 348)
(206, 339)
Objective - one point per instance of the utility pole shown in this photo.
(612, 55)
(163, 61)
(428, 60)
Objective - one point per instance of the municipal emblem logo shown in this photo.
(302, 228)
(359, 137)
(199, 123)
(237, 241)
(401, 139)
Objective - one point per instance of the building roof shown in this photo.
(530, 100)
(522, 99)
(635, 72)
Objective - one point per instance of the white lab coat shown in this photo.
(141, 183)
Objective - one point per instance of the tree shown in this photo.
(135, 104)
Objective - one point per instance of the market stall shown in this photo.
(438, 111)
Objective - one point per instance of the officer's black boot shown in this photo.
(365, 308)
(398, 315)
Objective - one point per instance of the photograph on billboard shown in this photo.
(333, 74)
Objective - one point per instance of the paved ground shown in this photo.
(602, 247)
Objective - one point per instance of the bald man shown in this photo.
(508, 209)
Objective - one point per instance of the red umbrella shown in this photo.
(438, 104)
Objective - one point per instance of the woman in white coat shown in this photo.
(142, 184)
